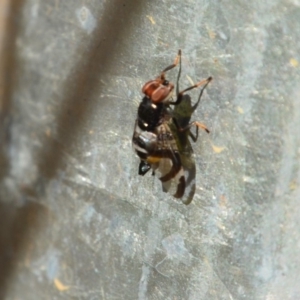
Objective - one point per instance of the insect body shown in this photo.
(154, 143)
(159, 139)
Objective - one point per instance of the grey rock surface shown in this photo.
(77, 222)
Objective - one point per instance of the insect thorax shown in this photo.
(150, 115)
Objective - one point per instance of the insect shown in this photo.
(160, 136)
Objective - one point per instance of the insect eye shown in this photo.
(166, 82)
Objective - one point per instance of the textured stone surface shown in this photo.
(77, 222)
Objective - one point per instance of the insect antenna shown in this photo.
(168, 68)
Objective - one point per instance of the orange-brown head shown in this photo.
(158, 90)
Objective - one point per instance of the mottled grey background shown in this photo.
(77, 222)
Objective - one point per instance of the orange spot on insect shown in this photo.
(60, 286)
(153, 159)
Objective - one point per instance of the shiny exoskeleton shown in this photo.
(153, 139)
(154, 143)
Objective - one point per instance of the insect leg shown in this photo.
(176, 61)
(144, 167)
(204, 82)
(178, 76)
(195, 123)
